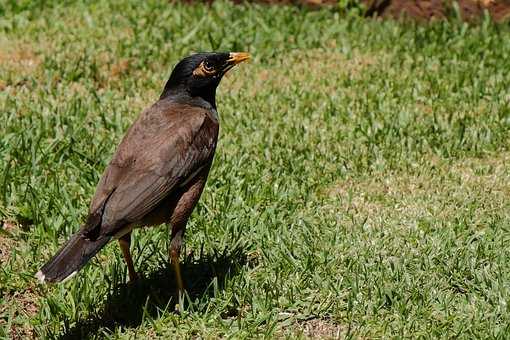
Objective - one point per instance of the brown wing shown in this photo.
(166, 145)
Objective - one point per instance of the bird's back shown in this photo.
(165, 145)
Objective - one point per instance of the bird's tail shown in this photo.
(71, 258)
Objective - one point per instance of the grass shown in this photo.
(360, 187)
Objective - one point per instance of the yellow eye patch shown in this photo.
(203, 71)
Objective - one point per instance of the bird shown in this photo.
(158, 171)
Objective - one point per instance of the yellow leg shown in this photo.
(177, 269)
(174, 252)
(124, 243)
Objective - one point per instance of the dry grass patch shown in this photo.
(438, 191)
(20, 305)
(6, 242)
(112, 70)
(119, 68)
(315, 329)
(22, 332)
(18, 57)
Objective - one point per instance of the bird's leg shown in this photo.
(124, 243)
(174, 253)
(179, 219)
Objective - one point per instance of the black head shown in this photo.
(199, 74)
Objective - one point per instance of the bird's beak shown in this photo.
(237, 57)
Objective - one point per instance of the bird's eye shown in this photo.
(205, 69)
(208, 66)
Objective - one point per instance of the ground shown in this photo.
(360, 186)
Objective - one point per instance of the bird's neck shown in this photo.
(185, 97)
(209, 97)
(205, 97)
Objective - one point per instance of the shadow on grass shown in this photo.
(157, 292)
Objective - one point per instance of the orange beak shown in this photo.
(238, 57)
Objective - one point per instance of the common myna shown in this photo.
(158, 171)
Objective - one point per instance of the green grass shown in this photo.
(360, 186)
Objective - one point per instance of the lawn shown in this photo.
(360, 187)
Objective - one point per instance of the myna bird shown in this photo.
(159, 169)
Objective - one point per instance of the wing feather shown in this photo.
(166, 145)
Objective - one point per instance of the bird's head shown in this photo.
(199, 74)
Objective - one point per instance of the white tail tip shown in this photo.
(70, 276)
(40, 276)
